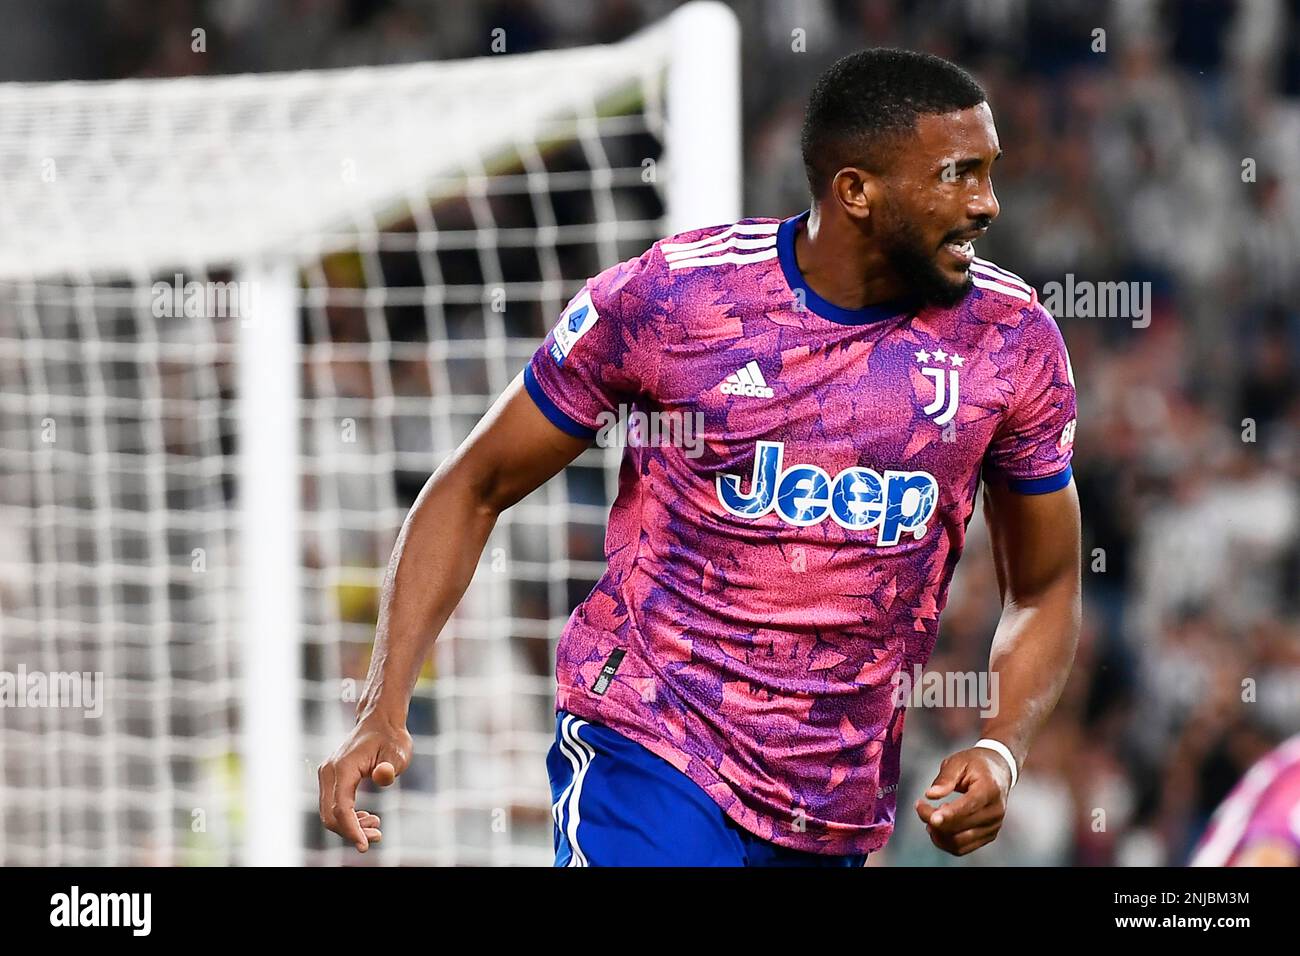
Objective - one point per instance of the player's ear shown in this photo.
(855, 190)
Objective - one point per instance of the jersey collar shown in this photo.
(827, 310)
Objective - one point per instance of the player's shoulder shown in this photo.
(734, 245)
(1001, 285)
(1009, 303)
(728, 244)
(630, 286)
(1008, 299)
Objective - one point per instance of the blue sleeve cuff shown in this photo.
(552, 411)
(1041, 486)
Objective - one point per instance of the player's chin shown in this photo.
(956, 276)
(950, 283)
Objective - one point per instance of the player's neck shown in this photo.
(841, 266)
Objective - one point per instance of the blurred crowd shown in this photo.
(1143, 142)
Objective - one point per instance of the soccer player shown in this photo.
(1258, 823)
(728, 692)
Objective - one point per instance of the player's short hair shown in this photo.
(862, 104)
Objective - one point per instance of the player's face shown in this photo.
(939, 199)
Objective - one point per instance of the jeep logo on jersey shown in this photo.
(857, 498)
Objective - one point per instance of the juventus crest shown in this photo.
(945, 369)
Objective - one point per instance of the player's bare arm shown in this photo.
(1036, 555)
(511, 452)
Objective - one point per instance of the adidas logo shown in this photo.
(747, 381)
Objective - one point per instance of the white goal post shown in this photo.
(241, 320)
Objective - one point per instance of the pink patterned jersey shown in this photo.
(792, 501)
(1263, 807)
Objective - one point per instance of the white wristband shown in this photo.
(997, 746)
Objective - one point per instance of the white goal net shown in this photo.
(242, 319)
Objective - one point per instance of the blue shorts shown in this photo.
(614, 803)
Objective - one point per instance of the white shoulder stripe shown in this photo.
(740, 228)
(999, 287)
(735, 258)
(735, 242)
(995, 271)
